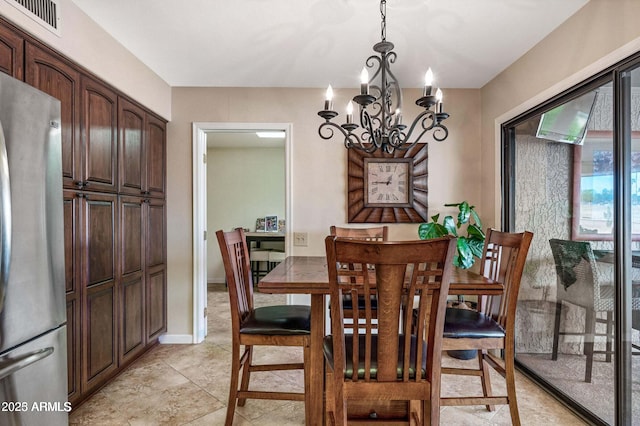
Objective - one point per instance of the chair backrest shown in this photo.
(235, 257)
(503, 259)
(379, 233)
(577, 272)
(395, 272)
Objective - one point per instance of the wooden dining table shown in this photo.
(309, 275)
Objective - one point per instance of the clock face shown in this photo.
(387, 181)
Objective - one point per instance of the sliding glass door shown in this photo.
(572, 177)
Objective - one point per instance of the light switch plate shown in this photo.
(300, 239)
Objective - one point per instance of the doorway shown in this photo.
(201, 234)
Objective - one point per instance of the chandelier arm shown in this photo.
(440, 128)
(426, 120)
(369, 134)
(326, 132)
(393, 81)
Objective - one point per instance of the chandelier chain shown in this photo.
(383, 23)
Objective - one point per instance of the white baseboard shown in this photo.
(176, 339)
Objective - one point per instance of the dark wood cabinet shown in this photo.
(141, 151)
(98, 155)
(11, 53)
(131, 149)
(132, 294)
(58, 78)
(155, 274)
(155, 157)
(72, 267)
(98, 241)
(113, 165)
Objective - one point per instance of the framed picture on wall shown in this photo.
(271, 223)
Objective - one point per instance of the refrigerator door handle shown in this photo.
(5, 219)
(9, 367)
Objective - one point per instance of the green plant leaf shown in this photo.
(450, 226)
(476, 220)
(476, 246)
(465, 254)
(427, 231)
(465, 212)
(475, 231)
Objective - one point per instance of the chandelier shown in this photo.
(380, 105)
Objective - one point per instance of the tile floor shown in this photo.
(188, 385)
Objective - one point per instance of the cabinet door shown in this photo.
(71, 214)
(156, 287)
(156, 278)
(62, 81)
(100, 323)
(131, 147)
(132, 294)
(99, 135)
(155, 157)
(11, 52)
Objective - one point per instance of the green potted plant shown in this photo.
(469, 247)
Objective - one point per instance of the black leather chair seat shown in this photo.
(468, 323)
(278, 320)
(328, 351)
(347, 302)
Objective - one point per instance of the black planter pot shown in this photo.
(463, 354)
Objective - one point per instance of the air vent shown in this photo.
(44, 12)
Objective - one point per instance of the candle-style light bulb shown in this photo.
(428, 77)
(328, 100)
(398, 116)
(350, 112)
(428, 82)
(439, 99)
(364, 82)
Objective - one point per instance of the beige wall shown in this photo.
(600, 34)
(242, 185)
(83, 41)
(318, 169)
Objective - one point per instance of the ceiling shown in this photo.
(313, 43)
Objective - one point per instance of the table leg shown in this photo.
(314, 404)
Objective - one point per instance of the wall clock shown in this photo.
(388, 188)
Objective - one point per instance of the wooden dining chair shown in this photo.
(377, 233)
(387, 364)
(280, 325)
(492, 325)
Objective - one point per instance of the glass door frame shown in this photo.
(620, 76)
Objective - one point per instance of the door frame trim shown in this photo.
(199, 135)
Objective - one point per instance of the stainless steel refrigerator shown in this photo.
(33, 342)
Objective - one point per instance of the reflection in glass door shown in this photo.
(631, 184)
(578, 311)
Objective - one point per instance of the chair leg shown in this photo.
(246, 374)
(609, 337)
(556, 331)
(329, 413)
(339, 403)
(431, 407)
(306, 355)
(589, 332)
(510, 378)
(233, 385)
(485, 379)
